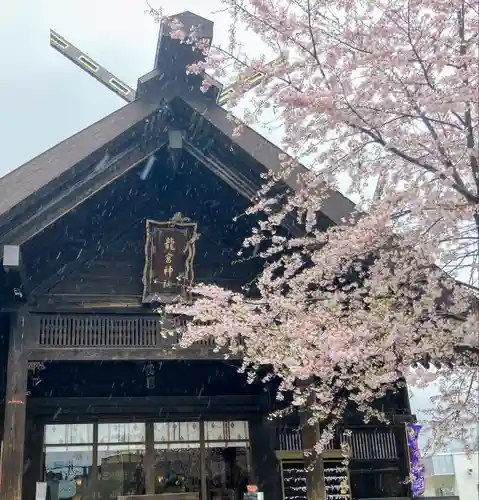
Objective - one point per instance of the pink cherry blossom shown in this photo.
(386, 93)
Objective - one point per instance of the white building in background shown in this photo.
(452, 474)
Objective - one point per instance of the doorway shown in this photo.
(100, 461)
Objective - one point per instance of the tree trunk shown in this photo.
(313, 461)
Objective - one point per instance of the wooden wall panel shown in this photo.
(98, 249)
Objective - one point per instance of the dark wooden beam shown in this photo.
(33, 456)
(337, 207)
(10, 308)
(121, 354)
(203, 472)
(231, 177)
(93, 304)
(149, 458)
(400, 435)
(15, 411)
(90, 408)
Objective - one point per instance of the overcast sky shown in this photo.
(45, 97)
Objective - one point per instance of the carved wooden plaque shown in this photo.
(169, 257)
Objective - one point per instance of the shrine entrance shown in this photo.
(92, 461)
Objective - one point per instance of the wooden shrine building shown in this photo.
(96, 397)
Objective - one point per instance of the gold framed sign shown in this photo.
(169, 256)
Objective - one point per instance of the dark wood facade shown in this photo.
(73, 303)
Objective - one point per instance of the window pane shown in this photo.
(121, 433)
(214, 431)
(71, 468)
(69, 434)
(177, 470)
(236, 430)
(120, 470)
(443, 464)
(227, 470)
(176, 431)
(161, 432)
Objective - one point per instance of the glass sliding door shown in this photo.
(68, 461)
(227, 459)
(177, 457)
(102, 461)
(121, 452)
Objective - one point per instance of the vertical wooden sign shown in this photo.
(169, 256)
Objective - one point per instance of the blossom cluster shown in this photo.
(383, 92)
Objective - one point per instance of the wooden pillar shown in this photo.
(402, 446)
(149, 460)
(15, 412)
(95, 479)
(266, 472)
(203, 470)
(33, 455)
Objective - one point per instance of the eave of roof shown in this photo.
(29, 181)
(336, 207)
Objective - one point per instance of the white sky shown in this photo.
(46, 98)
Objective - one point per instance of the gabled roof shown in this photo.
(74, 159)
(40, 191)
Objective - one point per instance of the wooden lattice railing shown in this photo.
(109, 331)
(364, 444)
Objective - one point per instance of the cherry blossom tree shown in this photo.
(385, 94)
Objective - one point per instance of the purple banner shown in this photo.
(417, 467)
